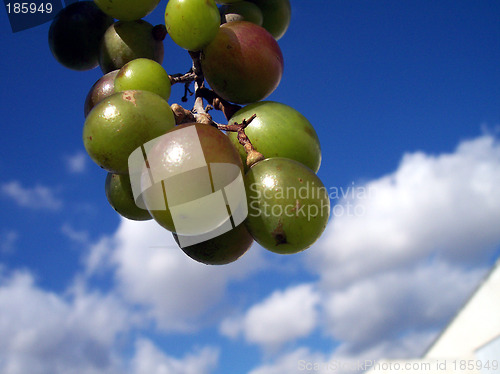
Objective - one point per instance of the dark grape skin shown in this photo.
(276, 15)
(221, 250)
(104, 87)
(75, 34)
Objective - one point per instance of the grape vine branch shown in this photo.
(200, 114)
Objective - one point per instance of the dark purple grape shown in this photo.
(222, 249)
(75, 35)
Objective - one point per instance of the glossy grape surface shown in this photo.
(102, 88)
(192, 24)
(75, 33)
(223, 249)
(243, 64)
(176, 155)
(288, 206)
(279, 131)
(122, 122)
(127, 10)
(120, 197)
(125, 41)
(143, 74)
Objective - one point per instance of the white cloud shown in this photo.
(151, 271)
(392, 304)
(37, 197)
(77, 162)
(282, 317)
(388, 282)
(44, 333)
(78, 236)
(446, 205)
(151, 360)
(392, 277)
(306, 360)
(83, 333)
(300, 360)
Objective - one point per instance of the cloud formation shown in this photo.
(282, 317)
(37, 197)
(383, 283)
(152, 271)
(446, 205)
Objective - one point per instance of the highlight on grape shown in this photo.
(214, 203)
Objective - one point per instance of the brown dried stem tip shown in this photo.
(253, 155)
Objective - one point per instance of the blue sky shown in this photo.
(405, 97)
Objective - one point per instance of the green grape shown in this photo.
(123, 122)
(192, 24)
(120, 197)
(180, 160)
(288, 206)
(127, 10)
(277, 15)
(125, 41)
(242, 11)
(222, 249)
(75, 33)
(143, 74)
(279, 131)
(227, 1)
(104, 87)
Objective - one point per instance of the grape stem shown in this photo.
(195, 74)
(253, 155)
(200, 114)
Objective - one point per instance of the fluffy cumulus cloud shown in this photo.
(394, 303)
(43, 332)
(46, 333)
(149, 359)
(299, 360)
(446, 205)
(408, 250)
(36, 197)
(280, 318)
(151, 271)
(385, 280)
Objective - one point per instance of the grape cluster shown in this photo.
(237, 64)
